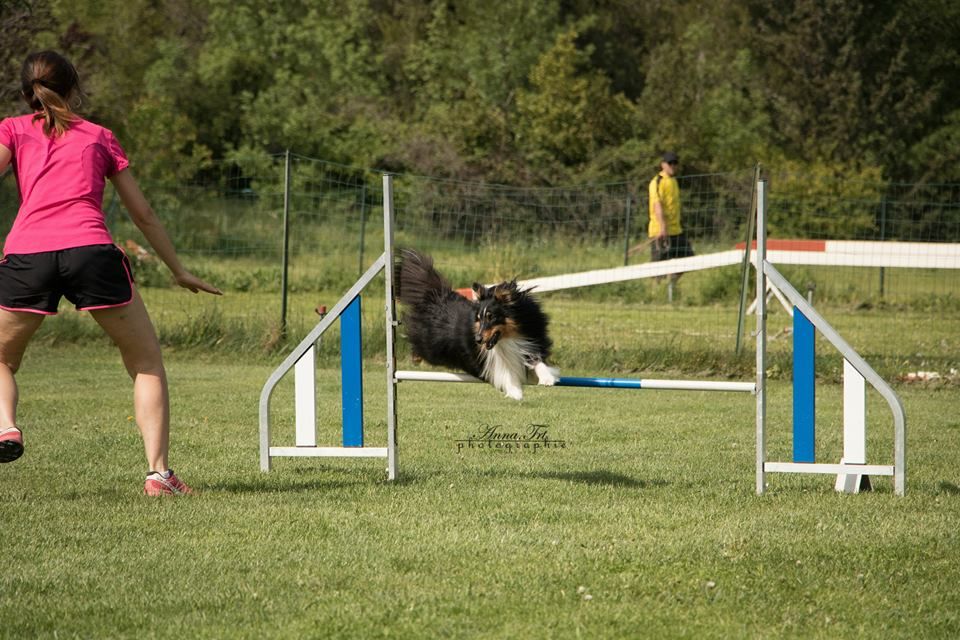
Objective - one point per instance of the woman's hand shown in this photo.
(189, 281)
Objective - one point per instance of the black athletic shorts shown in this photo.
(92, 277)
(672, 247)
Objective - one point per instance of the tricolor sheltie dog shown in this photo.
(498, 337)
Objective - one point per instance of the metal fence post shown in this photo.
(363, 222)
(286, 244)
(883, 236)
(745, 268)
(626, 231)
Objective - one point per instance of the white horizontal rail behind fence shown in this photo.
(835, 253)
(851, 253)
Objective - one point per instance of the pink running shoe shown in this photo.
(170, 485)
(11, 444)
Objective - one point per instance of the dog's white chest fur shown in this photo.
(505, 366)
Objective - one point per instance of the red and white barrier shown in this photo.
(863, 253)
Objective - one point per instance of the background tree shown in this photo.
(519, 91)
(569, 113)
(20, 23)
(848, 81)
(701, 96)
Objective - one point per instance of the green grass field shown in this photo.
(645, 524)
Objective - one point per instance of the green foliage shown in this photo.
(852, 79)
(168, 139)
(701, 98)
(721, 286)
(296, 75)
(570, 112)
(939, 152)
(479, 47)
(825, 202)
(21, 23)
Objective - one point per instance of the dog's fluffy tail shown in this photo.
(417, 279)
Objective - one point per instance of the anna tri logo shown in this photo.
(533, 437)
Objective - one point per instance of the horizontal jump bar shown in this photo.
(607, 383)
(832, 469)
(329, 452)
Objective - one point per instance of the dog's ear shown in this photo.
(479, 290)
(505, 292)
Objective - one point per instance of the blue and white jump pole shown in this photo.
(596, 383)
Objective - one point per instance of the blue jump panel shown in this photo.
(804, 402)
(351, 370)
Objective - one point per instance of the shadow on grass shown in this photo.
(596, 477)
(948, 488)
(607, 478)
(303, 480)
(308, 480)
(280, 485)
(292, 480)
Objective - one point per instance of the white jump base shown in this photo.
(831, 469)
(329, 452)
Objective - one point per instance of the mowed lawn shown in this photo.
(644, 524)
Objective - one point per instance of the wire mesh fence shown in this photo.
(283, 234)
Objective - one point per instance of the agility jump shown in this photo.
(852, 471)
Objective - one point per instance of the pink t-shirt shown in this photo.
(61, 182)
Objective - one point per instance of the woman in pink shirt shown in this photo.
(59, 245)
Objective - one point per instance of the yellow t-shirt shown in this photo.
(664, 189)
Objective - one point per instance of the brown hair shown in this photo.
(49, 82)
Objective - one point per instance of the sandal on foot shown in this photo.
(11, 444)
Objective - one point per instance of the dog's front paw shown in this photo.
(514, 392)
(546, 375)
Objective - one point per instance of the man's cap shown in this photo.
(670, 157)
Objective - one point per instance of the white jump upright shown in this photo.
(305, 397)
(854, 429)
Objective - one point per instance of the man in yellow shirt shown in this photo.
(665, 230)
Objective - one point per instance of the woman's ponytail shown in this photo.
(49, 81)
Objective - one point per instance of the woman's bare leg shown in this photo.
(132, 331)
(16, 329)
